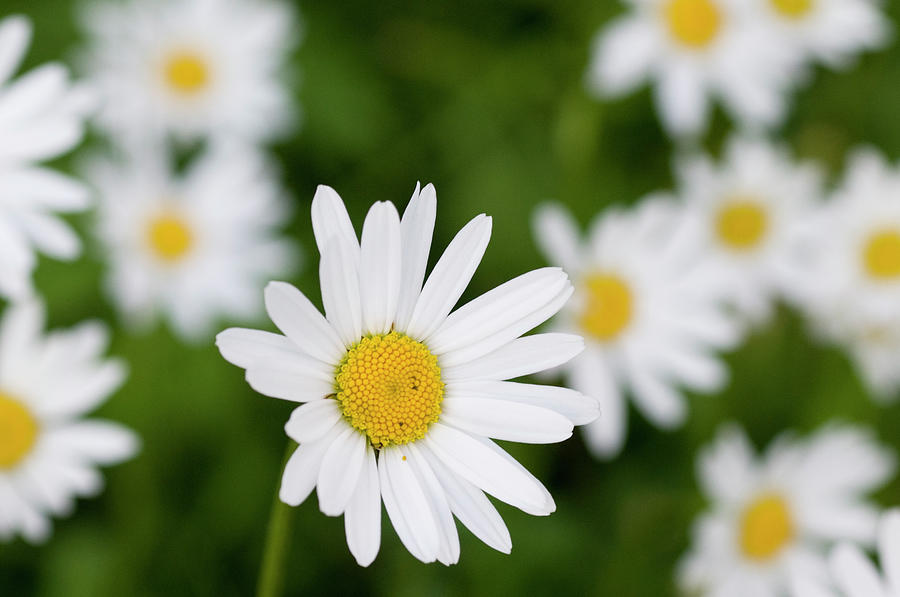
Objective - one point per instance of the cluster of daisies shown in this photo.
(747, 54)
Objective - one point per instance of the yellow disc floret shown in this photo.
(792, 9)
(186, 72)
(881, 255)
(389, 387)
(18, 431)
(766, 527)
(169, 236)
(693, 23)
(608, 306)
(741, 224)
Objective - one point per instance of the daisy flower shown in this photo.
(829, 31)
(192, 247)
(771, 518)
(855, 574)
(192, 68)
(650, 307)
(853, 267)
(693, 50)
(752, 207)
(48, 454)
(41, 117)
(399, 394)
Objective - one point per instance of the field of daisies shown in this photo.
(461, 298)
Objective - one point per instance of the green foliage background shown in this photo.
(485, 99)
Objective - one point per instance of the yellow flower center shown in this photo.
(792, 9)
(608, 308)
(389, 387)
(881, 255)
(693, 23)
(18, 432)
(741, 224)
(766, 527)
(186, 72)
(169, 236)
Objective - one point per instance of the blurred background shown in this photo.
(486, 100)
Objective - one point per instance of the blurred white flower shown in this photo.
(650, 307)
(192, 68)
(693, 51)
(400, 394)
(854, 573)
(829, 31)
(772, 518)
(192, 247)
(852, 269)
(752, 208)
(48, 454)
(41, 117)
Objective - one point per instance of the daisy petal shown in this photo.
(523, 356)
(300, 321)
(98, 442)
(889, 547)
(416, 229)
(556, 233)
(330, 219)
(591, 376)
(310, 422)
(302, 469)
(340, 471)
(15, 33)
(448, 553)
(340, 291)
(379, 272)
(573, 405)
(854, 573)
(295, 381)
(362, 518)
(504, 420)
(407, 506)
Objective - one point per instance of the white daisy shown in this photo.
(194, 247)
(752, 208)
(695, 50)
(852, 267)
(829, 31)
(650, 307)
(48, 454)
(41, 117)
(192, 68)
(855, 574)
(400, 394)
(772, 518)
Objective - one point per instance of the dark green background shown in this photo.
(486, 101)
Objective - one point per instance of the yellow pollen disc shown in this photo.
(741, 224)
(18, 431)
(389, 387)
(792, 9)
(881, 255)
(608, 308)
(693, 23)
(186, 72)
(169, 236)
(766, 527)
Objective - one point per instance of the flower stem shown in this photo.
(271, 573)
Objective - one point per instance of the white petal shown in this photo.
(523, 356)
(249, 348)
(379, 271)
(854, 573)
(592, 377)
(448, 553)
(99, 442)
(340, 472)
(15, 33)
(504, 420)
(300, 321)
(556, 233)
(681, 99)
(20, 327)
(889, 548)
(330, 219)
(407, 506)
(302, 469)
(416, 229)
(489, 468)
(340, 291)
(623, 55)
(664, 406)
(500, 315)
(470, 505)
(362, 518)
(450, 277)
(573, 405)
(310, 422)
(51, 235)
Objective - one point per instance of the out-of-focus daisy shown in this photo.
(195, 247)
(852, 266)
(751, 207)
(193, 68)
(693, 51)
(401, 395)
(772, 518)
(650, 308)
(41, 117)
(48, 454)
(855, 574)
(829, 31)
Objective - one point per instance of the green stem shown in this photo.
(271, 573)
